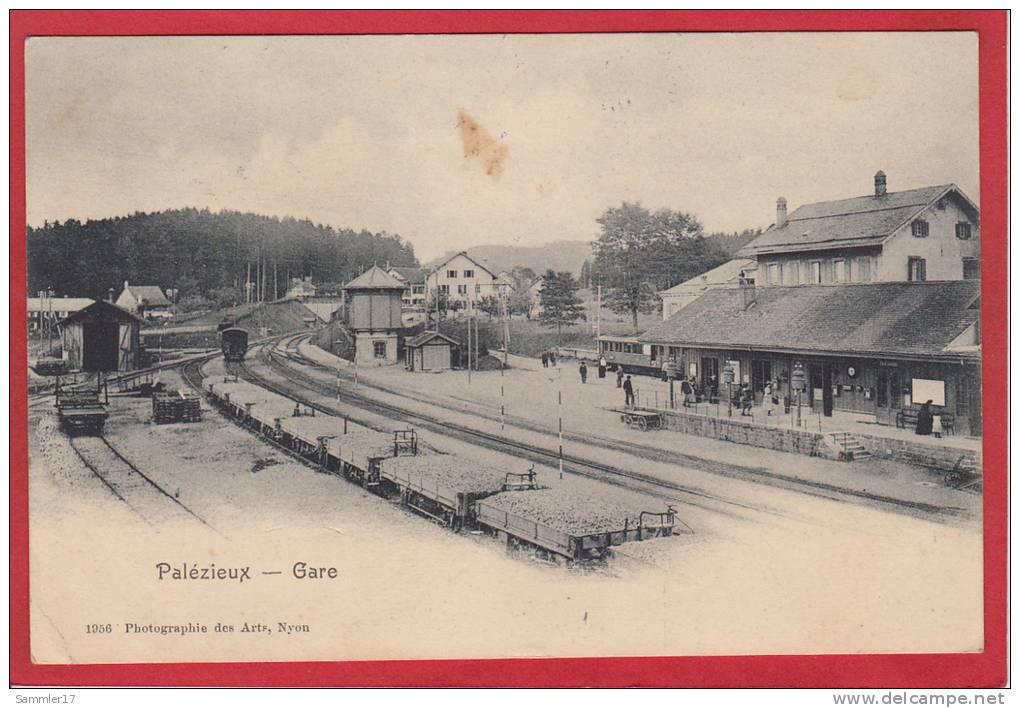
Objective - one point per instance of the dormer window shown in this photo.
(963, 231)
(919, 227)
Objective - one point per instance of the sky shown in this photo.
(453, 142)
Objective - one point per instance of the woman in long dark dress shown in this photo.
(924, 418)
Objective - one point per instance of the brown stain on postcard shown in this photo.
(479, 144)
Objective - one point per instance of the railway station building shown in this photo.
(372, 308)
(101, 337)
(876, 350)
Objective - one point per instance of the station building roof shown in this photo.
(922, 319)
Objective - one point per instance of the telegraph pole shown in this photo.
(559, 393)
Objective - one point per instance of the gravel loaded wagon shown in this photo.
(567, 525)
(443, 487)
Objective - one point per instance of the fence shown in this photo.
(782, 416)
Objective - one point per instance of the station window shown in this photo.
(469, 274)
(963, 231)
(451, 274)
(971, 269)
(816, 272)
(444, 289)
(919, 227)
(838, 270)
(462, 289)
(863, 267)
(478, 288)
(915, 269)
(379, 350)
(791, 273)
(775, 274)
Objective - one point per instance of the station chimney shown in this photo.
(781, 212)
(880, 184)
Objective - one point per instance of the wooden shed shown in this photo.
(101, 337)
(430, 351)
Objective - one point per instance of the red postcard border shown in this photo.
(984, 669)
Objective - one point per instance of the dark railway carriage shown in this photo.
(234, 343)
(626, 353)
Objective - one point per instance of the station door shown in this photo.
(100, 346)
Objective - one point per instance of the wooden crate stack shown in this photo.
(175, 407)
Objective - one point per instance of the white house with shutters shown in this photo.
(465, 280)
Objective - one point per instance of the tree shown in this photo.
(639, 253)
(559, 300)
(490, 305)
(586, 274)
(520, 301)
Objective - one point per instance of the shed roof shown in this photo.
(101, 309)
(149, 295)
(859, 221)
(375, 278)
(414, 276)
(58, 304)
(862, 318)
(426, 337)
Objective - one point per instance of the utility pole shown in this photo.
(276, 295)
(469, 348)
(598, 313)
(559, 393)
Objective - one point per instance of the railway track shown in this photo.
(143, 495)
(627, 479)
(734, 471)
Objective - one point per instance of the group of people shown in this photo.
(929, 421)
(602, 366)
(548, 359)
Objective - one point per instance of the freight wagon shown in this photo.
(451, 489)
(234, 343)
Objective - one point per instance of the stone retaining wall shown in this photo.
(738, 431)
(939, 456)
(810, 443)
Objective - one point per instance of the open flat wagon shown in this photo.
(81, 411)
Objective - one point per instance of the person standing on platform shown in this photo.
(545, 360)
(619, 376)
(628, 393)
(583, 370)
(602, 368)
(924, 419)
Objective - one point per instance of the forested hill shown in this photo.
(198, 252)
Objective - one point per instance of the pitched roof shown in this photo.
(58, 304)
(426, 337)
(476, 261)
(727, 273)
(859, 221)
(149, 295)
(103, 309)
(897, 318)
(375, 278)
(415, 276)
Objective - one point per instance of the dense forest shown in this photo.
(201, 253)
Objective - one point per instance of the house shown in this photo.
(144, 301)
(372, 312)
(464, 281)
(300, 288)
(873, 349)
(535, 292)
(101, 337)
(414, 285)
(45, 309)
(725, 276)
(430, 351)
(931, 233)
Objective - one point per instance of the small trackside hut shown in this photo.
(101, 338)
(430, 351)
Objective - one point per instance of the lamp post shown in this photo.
(798, 380)
(728, 375)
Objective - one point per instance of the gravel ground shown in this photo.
(817, 576)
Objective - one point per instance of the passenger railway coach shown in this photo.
(234, 343)
(628, 354)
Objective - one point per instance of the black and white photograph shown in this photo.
(503, 346)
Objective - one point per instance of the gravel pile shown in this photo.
(448, 471)
(567, 512)
(358, 447)
(309, 428)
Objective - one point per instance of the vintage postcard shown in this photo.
(371, 347)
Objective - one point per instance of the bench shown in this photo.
(907, 418)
